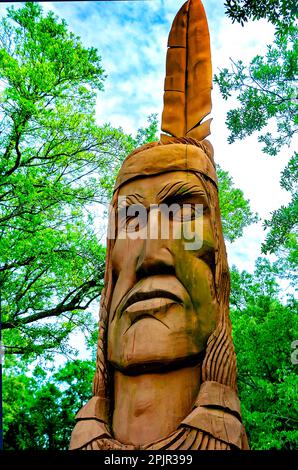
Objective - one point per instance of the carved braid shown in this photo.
(220, 361)
(101, 379)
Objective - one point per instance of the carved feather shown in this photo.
(188, 82)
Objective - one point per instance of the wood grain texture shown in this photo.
(188, 82)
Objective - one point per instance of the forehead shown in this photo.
(149, 186)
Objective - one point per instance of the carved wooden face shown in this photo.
(163, 306)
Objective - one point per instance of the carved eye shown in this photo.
(132, 224)
(124, 221)
(185, 211)
(189, 211)
(135, 218)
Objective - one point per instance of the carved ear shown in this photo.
(188, 82)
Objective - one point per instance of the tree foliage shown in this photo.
(264, 330)
(235, 210)
(55, 164)
(39, 408)
(266, 90)
(282, 238)
(278, 12)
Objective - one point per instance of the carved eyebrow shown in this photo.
(180, 188)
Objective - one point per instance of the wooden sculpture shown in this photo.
(166, 367)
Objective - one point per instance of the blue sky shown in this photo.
(131, 37)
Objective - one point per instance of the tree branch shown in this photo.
(63, 307)
(18, 264)
(18, 159)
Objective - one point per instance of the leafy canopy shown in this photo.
(278, 12)
(39, 409)
(54, 163)
(266, 91)
(264, 331)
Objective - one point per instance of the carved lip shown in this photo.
(148, 308)
(160, 287)
(139, 297)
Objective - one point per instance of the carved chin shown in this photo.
(149, 344)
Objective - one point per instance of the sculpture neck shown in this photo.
(151, 406)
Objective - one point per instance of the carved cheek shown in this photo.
(197, 278)
(193, 236)
(117, 260)
(125, 254)
(124, 258)
(195, 272)
(199, 265)
(208, 236)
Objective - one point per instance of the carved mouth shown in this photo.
(142, 316)
(152, 301)
(148, 308)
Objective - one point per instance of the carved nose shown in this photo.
(154, 260)
(155, 256)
